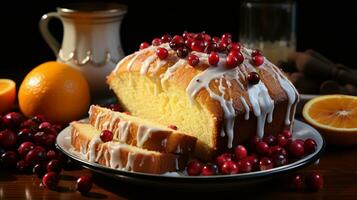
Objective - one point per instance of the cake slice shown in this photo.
(85, 139)
(141, 133)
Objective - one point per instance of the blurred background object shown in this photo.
(269, 25)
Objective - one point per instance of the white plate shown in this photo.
(301, 131)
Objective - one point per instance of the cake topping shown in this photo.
(193, 60)
(106, 136)
(182, 52)
(255, 52)
(213, 58)
(257, 60)
(144, 45)
(197, 45)
(233, 59)
(166, 38)
(162, 53)
(253, 78)
(156, 42)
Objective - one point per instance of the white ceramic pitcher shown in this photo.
(91, 41)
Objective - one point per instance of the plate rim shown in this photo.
(244, 176)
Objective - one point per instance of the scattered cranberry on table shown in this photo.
(84, 184)
(50, 180)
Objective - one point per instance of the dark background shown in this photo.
(326, 26)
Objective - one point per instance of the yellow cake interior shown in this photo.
(168, 105)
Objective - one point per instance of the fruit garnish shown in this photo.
(7, 95)
(335, 116)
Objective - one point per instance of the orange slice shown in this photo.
(335, 116)
(7, 95)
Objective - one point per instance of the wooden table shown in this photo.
(338, 165)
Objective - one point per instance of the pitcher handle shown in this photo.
(46, 34)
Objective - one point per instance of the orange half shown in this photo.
(7, 95)
(335, 116)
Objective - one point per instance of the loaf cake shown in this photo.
(140, 132)
(221, 102)
(85, 139)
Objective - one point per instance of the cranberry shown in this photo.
(156, 42)
(144, 45)
(12, 120)
(278, 150)
(178, 40)
(39, 170)
(234, 47)
(263, 149)
(186, 34)
(270, 140)
(216, 39)
(182, 52)
(226, 36)
(22, 166)
(254, 142)
(296, 149)
(288, 134)
(281, 140)
(206, 37)
(188, 42)
(240, 152)
(7, 139)
(231, 62)
(106, 136)
(194, 168)
(222, 46)
(213, 58)
(258, 60)
(193, 60)
(166, 38)
(256, 52)
(212, 47)
(253, 78)
(51, 154)
(40, 138)
(162, 53)
(245, 166)
(24, 135)
(50, 141)
(297, 182)
(84, 184)
(45, 126)
(314, 181)
(229, 167)
(253, 162)
(197, 45)
(199, 36)
(209, 170)
(265, 163)
(9, 159)
(29, 124)
(50, 180)
(38, 119)
(279, 159)
(36, 155)
(171, 126)
(114, 107)
(224, 158)
(309, 146)
(25, 147)
(54, 166)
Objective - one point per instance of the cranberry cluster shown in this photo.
(28, 145)
(203, 42)
(260, 154)
(314, 181)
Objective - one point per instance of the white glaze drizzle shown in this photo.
(122, 131)
(92, 147)
(146, 64)
(130, 161)
(172, 69)
(246, 108)
(143, 134)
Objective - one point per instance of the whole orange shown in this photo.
(55, 90)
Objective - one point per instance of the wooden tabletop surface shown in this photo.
(338, 165)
